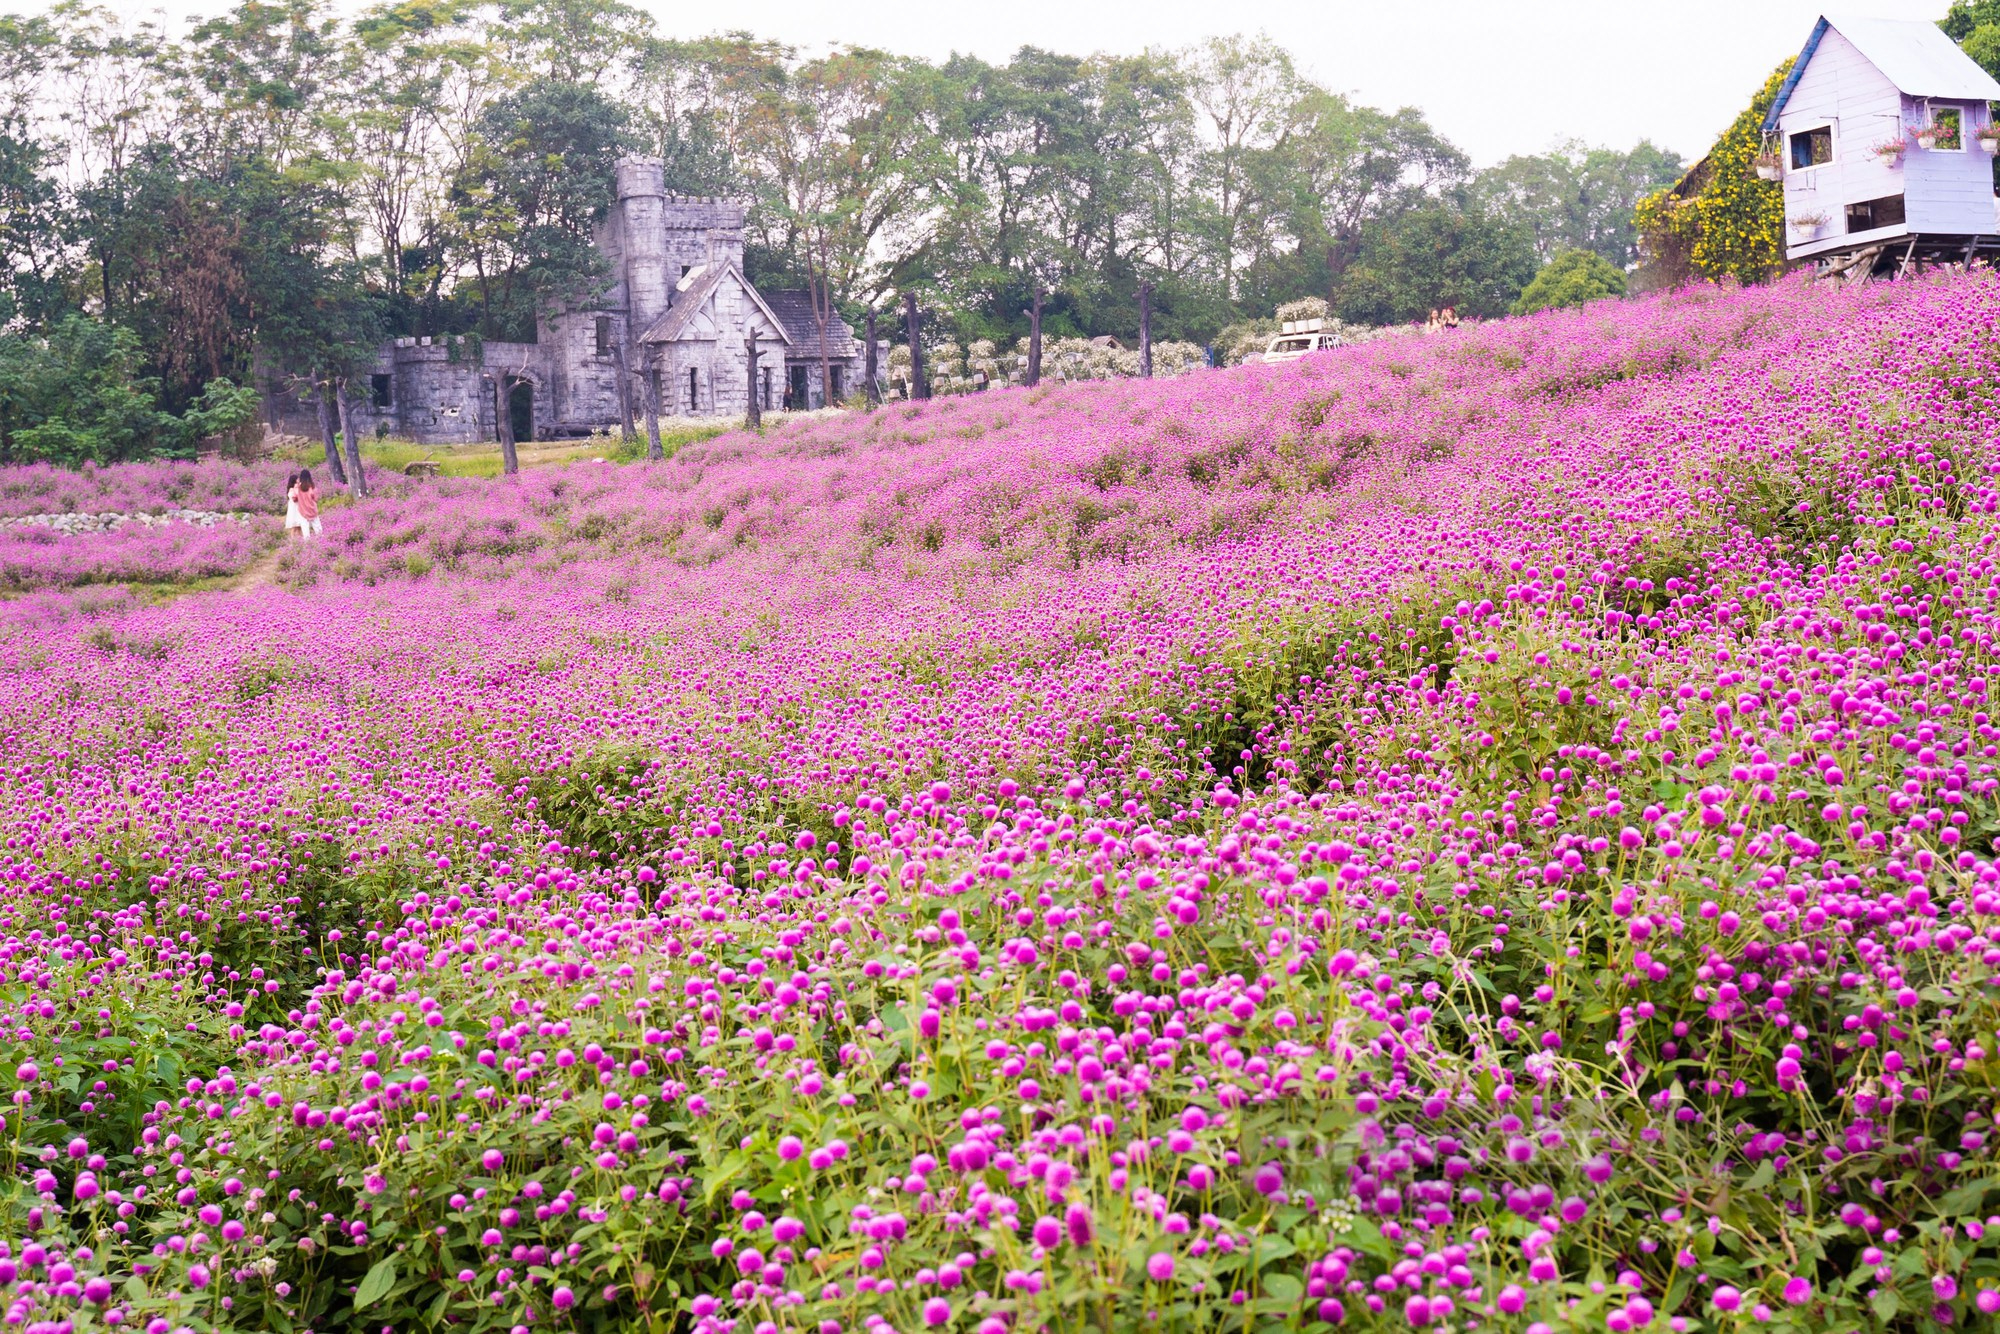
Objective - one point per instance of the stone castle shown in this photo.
(676, 310)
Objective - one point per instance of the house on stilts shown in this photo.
(1884, 137)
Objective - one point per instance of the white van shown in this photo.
(1299, 337)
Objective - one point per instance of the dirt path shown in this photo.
(262, 572)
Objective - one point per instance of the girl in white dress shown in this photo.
(292, 517)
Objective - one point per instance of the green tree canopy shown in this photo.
(1572, 278)
(1975, 25)
(1449, 253)
(541, 174)
(1576, 197)
(79, 394)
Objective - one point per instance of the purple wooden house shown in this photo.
(1885, 140)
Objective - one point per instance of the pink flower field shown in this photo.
(143, 488)
(1492, 832)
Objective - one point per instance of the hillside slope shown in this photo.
(1474, 832)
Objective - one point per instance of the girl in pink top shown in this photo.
(306, 497)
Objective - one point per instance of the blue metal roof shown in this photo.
(1792, 79)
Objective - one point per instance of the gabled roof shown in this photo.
(694, 292)
(1913, 55)
(796, 309)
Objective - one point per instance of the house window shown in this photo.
(1812, 148)
(603, 335)
(839, 374)
(1949, 125)
(1873, 213)
(691, 384)
(383, 390)
(767, 388)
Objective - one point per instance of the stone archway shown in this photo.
(521, 409)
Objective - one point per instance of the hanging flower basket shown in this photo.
(1927, 138)
(1806, 225)
(1989, 141)
(1768, 167)
(1891, 151)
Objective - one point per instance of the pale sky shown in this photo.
(1496, 76)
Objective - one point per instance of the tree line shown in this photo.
(285, 185)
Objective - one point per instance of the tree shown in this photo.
(255, 83)
(37, 231)
(1446, 253)
(1719, 220)
(79, 394)
(410, 65)
(1343, 170)
(1575, 197)
(540, 176)
(692, 101)
(851, 153)
(586, 42)
(1572, 278)
(1975, 25)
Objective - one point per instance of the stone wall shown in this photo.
(582, 383)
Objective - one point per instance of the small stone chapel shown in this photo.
(677, 310)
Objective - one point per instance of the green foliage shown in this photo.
(1975, 26)
(1719, 220)
(540, 177)
(78, 394)
(1570, 279)
(1575, 197)
(1452, 253)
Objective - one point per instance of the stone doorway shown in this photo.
(521, 410)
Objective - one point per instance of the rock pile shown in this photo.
(74, 525)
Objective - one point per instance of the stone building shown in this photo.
(676, 310)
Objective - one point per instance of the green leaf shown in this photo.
(135, 1289)
(1271, 1248)
(1886, 1304)
(375, 1286)
(726, 1171)
(1966, 1198)
(1762, 1177)
(1285, 1287)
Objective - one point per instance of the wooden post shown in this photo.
(1146, 330)
(1035, 337)
(624, 390)
(649, 395)
(914, 324)
(323, 398)
(347, 437)
(503, 423)
(869, 370)
(756, 416)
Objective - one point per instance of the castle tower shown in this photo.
(641, 261)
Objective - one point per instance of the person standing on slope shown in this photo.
(305, 501)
